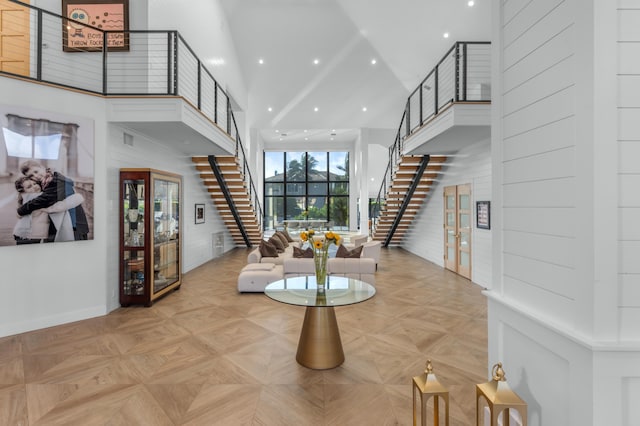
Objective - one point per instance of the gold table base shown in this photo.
(320, 347)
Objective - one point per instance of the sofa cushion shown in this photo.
(287, 236)
(277, 243)
(302, 254)
(282, 238)
(345, 252)
(259, 267)
(267, 249)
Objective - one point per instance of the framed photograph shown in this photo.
(483, 214)
(78, 33)
(199, 213)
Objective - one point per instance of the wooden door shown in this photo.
(457, 229)
(14, 38)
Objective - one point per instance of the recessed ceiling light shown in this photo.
(445, 35)
(277, 131)
(331, 138)
(316, 61)
(471, 3)
(316, 109)
(333, 130)
(261, 61)
(269, 109)
(364, 109)
(305, 130)
(306, 139)
(373, 62)
(372, 179)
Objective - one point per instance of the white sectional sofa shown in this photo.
(258, 273)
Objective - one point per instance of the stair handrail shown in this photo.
(460, 95)
(248, 179)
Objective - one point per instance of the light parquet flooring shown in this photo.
(206, 355)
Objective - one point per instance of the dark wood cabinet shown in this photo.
(150, 247)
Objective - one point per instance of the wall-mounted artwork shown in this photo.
(84, 15)
(483, 214)
(199, 213)
(46, 177)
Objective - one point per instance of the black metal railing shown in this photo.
(71, 54)
(463, 75)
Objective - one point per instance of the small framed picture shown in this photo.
(483, 214)
(199, 213)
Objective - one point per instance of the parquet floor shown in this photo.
(206, 355)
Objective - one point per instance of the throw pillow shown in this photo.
(302, 254)
(345, 252)
(276, 242)
(267, 249)
(282, 238)
(287, 236)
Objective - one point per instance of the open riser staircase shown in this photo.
(241, 208)
(410, 187)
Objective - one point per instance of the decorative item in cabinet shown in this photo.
(150, 246)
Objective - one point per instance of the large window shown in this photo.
(306, 186)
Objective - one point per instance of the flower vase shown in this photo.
(320, 260)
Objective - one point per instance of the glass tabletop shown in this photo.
(303, 291)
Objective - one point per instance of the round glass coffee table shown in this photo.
(319, 346)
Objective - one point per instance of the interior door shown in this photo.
(14, 38)
(457, 229)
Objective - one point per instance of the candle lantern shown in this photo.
(495, 400)
(428, 387)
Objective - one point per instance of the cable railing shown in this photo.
(463, 75)
(63, 52)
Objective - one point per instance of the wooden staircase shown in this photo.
(394, 208)
(239, 194)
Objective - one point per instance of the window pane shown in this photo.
(339, 188)
(317, 207)
(338, 166)
(339, 211)
(295, 166)
(317, 188)
(273, 189)
(273, 211)
(273, 166)
(296, 189)
(295, 207)
(317, 165)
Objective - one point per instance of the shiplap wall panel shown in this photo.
(628, 89)
(530, 39)
(555, 50)
(548, 304)
(546, 220)
(555, 107)
(548, 276)
(545, 138)
(543, 194)
(629, 58)
(469, 165)
(628, 100)
(548, 165)
(628, 155)
(552, 80)
(546, 248)
(514, 7)
(628, 28)
(535, 11)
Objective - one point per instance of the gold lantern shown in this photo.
(500, 399)
(428, 386)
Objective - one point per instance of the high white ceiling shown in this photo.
(404, 37)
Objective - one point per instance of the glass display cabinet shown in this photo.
(150, 248)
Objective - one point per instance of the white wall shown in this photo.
(48, 284)
(196, 240)
(563, 307)
(51, 284)
(469, 165)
